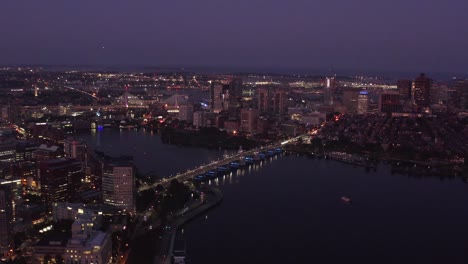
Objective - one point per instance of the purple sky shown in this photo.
(421, 35)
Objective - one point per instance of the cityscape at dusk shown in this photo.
(233, 132)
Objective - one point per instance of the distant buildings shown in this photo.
(118, 183)
(422, 91)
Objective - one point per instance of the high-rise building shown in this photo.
(279, 102)
(405, 88)
(118, 183)
(272, 101)
(186, 113)
(422, 91)
(6, 216)
(363, 102)
(263, 100)
(217, 97)
(7, 152)
(60, 180)
(350, 100)
(249, 118)
(390, 102)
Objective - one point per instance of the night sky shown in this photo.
(421, 35)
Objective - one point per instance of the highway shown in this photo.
(189, 174)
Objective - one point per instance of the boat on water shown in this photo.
(200, 178)
(222, 169)
(211, 174)
(249, 160)
(346, 199)
(234, 165)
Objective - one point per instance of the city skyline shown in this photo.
(318, 35)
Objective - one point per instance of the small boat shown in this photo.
(345, 199)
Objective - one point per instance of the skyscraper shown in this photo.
(118, 183)
(60, 180)
(390, 102)
(405, 88)
(422, 91)
(363, 102)
(249, 118)
(217, 97)
(263, 100)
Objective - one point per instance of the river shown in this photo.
(289, 210)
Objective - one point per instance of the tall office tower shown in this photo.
(422, 91)
(279, 102)
(60, 180)
(363, 102)
(235, 99)
(249, 119)
(350, 100)
(404, 88)
(217, 97)
(390, 102)
(186, 113)
(6, 216)
(263, 100)
(118, 183)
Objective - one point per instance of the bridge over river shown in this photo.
(189, 174)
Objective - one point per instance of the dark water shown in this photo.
(149, 153)
(290, 211)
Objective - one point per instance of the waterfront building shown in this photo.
(118, 183)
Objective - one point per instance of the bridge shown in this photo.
(189, 174)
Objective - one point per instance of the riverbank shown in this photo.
(214, 198)
(398, 164)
